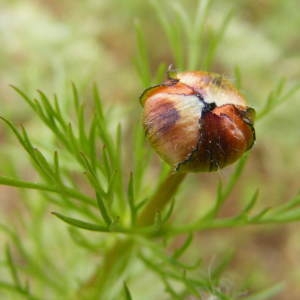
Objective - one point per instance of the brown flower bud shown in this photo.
(197, 121)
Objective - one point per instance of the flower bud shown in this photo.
(197, 121)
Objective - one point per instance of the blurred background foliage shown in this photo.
(47, 44)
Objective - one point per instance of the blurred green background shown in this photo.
(47, 45)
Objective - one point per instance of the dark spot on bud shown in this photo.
(163, 116)
(208, 107)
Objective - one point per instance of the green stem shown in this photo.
(161, 198)
(105, 280)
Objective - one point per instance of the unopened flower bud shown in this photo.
(197, 121)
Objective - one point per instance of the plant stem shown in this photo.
(104, 281)
(161, 198)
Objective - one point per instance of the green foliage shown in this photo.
(85, 180)
(277, 96)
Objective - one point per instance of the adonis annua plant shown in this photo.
(97, 178)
